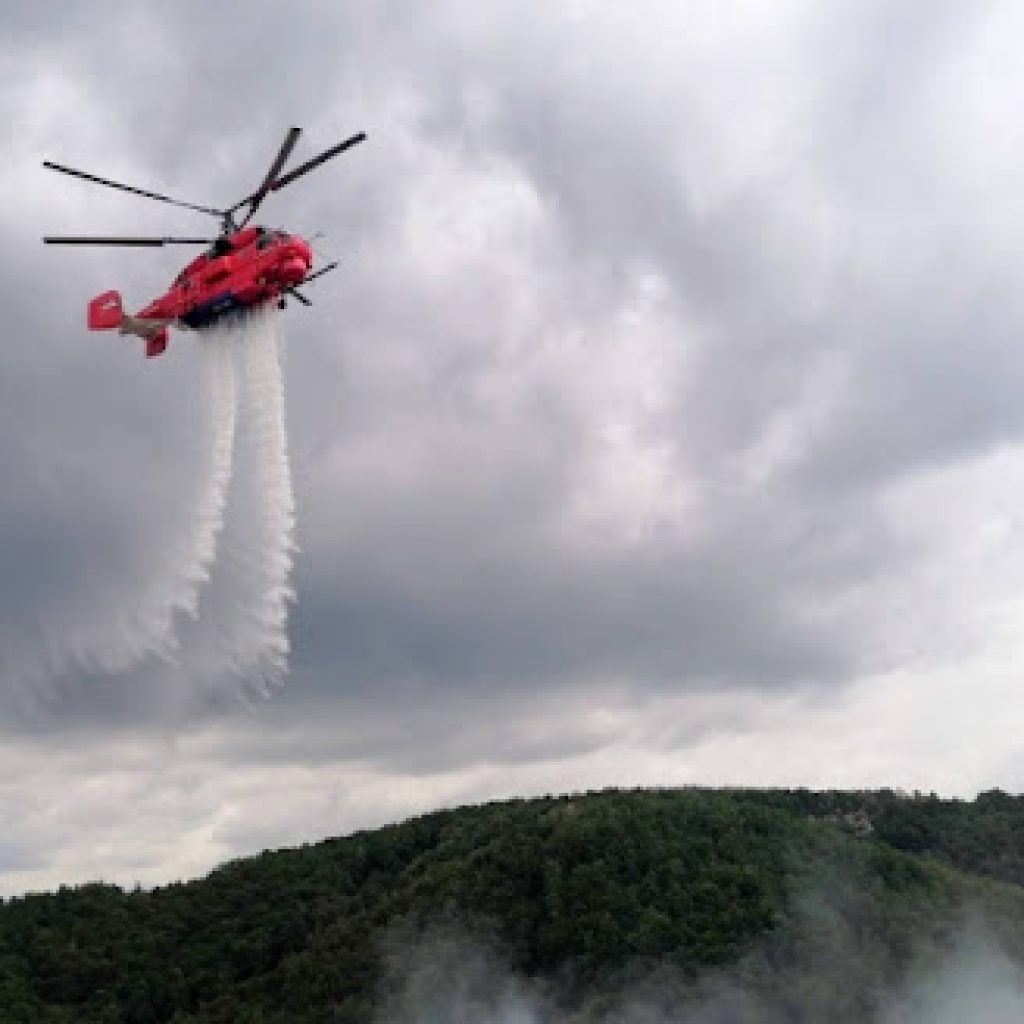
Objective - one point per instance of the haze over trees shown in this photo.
(807, 903)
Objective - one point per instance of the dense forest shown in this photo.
(813, 902)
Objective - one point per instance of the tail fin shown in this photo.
(156, 343)
(105, 312)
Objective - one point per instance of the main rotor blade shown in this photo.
(293, 291)
(112, 240)
(316, 161)
(322, 270)
(50, 165)
(275, 168)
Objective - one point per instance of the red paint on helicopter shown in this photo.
(243, 267)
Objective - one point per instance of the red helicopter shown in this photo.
(243, 266)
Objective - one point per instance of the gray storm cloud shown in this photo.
(673, 352)
(630, 354)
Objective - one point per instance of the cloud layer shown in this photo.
(673, 357)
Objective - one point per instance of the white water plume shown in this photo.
(259, 542)
(214, 613)
(194, 560)
(238, 641)
(115, 637)
(153, 626)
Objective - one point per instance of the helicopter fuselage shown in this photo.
(241, 269)
(244, 268)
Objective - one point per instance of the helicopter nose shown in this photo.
(298, 249)
(297, 260)
(293, 269)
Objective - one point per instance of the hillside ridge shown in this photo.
(581, 894)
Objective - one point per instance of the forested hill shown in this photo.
(815, 903)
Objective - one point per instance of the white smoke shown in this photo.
(446, 974)
(977, 981)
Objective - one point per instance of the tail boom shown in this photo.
(106, 313)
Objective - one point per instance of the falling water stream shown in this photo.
(212, 618)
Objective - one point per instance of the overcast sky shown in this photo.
(662, 425)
